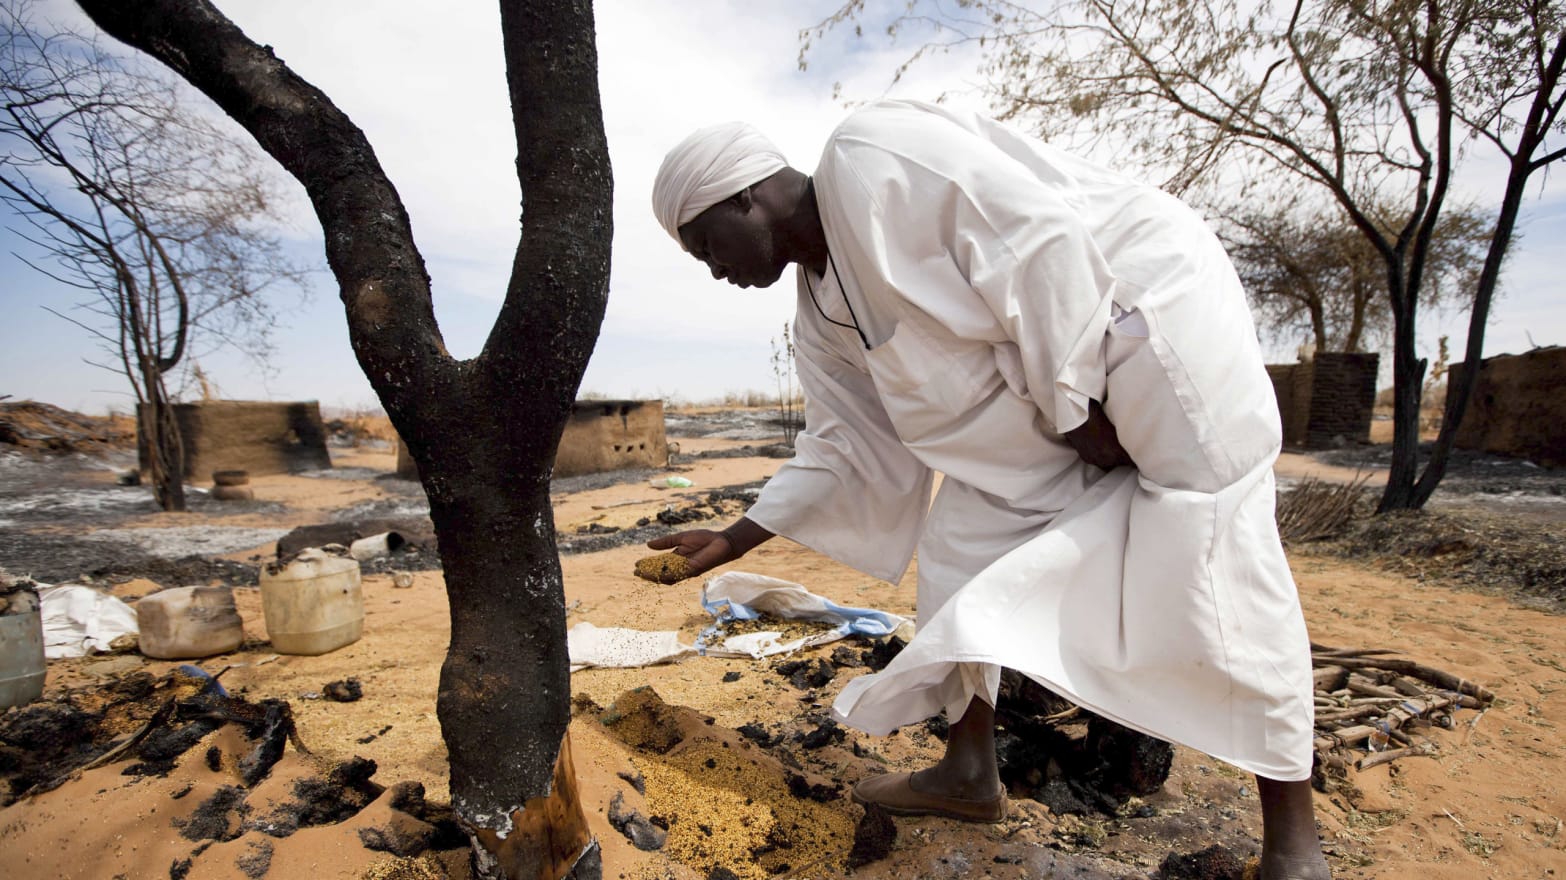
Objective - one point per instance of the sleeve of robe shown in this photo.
(852, 491)
(955, 225)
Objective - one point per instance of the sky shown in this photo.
(429, 91)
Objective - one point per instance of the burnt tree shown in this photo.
(484, 451)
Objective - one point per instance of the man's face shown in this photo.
(736, 242)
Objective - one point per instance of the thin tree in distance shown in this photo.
(158, 216)
(788, 390)
(1312, 276)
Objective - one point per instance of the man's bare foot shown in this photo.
(1308, 866)
(1290, 848)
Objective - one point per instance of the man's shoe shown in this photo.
(894, 793)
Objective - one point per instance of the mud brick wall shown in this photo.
(1292, 384)
(1342, 398)
(1518, 407)
(407, 468)
(1330, 396)
(1282, 376)
(261, 437)
(609, 435)
(601, 435)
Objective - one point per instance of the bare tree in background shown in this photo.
(482, 431)
(1368, 103)
(156, 213)
(1315, 276)
(789, 409)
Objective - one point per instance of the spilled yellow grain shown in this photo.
(724, 804)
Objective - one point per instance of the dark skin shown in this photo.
(749, 240)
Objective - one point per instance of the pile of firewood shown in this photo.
(1369, 701)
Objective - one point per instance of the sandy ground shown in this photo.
(1489, 803)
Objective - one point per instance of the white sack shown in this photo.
(78, 620)
(613, 646)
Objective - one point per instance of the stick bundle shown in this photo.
(1367, 700)
(1315, 509)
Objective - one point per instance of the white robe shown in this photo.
(982, 288)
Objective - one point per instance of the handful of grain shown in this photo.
(664, 568)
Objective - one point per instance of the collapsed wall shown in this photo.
(1326, 400)
(1517, 407)
(609, 435)
(407, 468)
(262, 437)
(600, 436)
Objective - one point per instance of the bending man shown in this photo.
(1073, 352)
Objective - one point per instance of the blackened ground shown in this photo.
(55, 558)
(1495, 524)
(1472, 546)
(724, 501)
(738, 424)
(1470, 476)
(51, 501)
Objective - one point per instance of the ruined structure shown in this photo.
(1517, 406)
(1327, 399)
(608, 435)
(407, 468)
(261, 437)
(602, 435)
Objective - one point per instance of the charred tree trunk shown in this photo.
(1408, 374)
(484, 452)
(1318, 324)
(1541, 119)
(1460, 391)
(165, 444)
(160, 428)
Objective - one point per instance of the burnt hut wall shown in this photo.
(1342, 398)
(1331, 396)
(1291, 384)
(261, 437)
(1518, 407)
(407, 468)
(609, 435)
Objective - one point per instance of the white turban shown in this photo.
(709, 166)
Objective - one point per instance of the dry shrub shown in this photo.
(1316, 510)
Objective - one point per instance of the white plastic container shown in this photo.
(22, 666)
(186, 622)
(314, 604)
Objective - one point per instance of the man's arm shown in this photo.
(1097, 441)
(705, 549)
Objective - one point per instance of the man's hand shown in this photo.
(703, 549)
(1096, 440)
